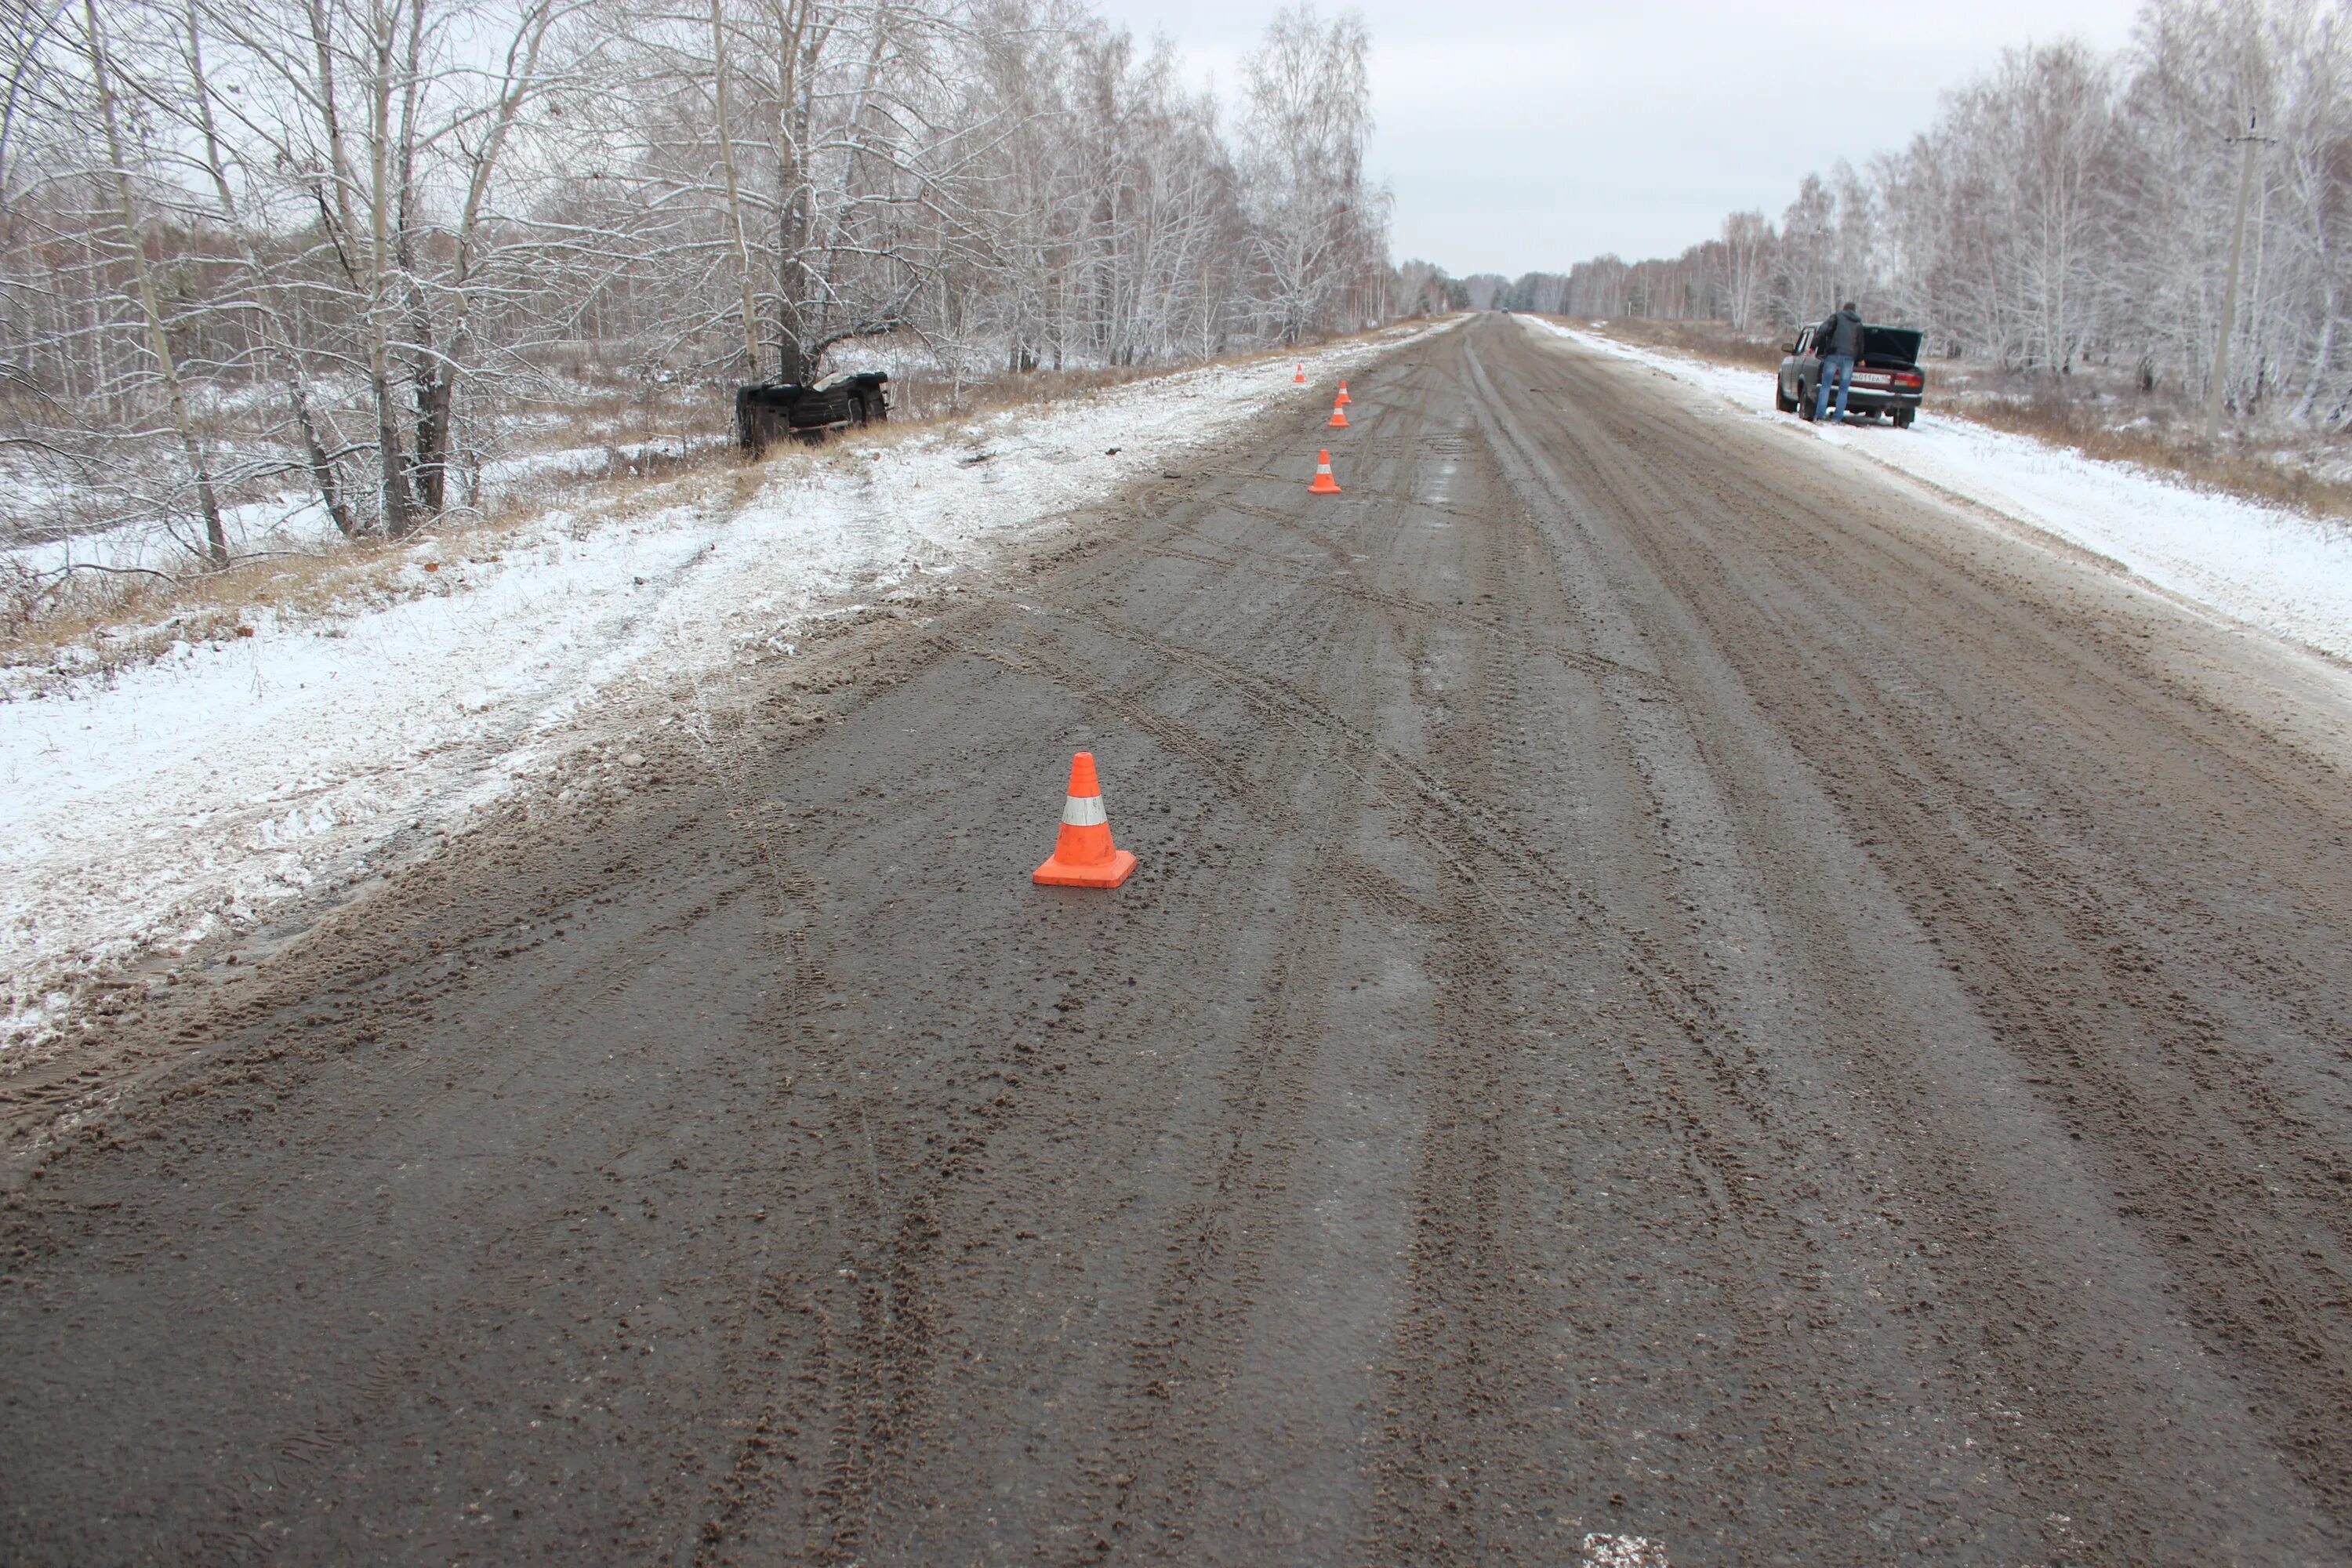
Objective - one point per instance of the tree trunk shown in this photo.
(433, 401)
(429, 369)
(734, 197)
(323, 467)
(794, 61)
(2324, 355)
(278, 330)
(159, 342)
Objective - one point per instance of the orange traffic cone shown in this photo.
(1324, 485)
(1344, 398)
(1301, 378)
(1339, 416)
(1084, 856)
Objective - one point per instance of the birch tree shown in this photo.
(1309, 115)
(2067, 206)
(339, 244)
(1748, 245)
(134, 243)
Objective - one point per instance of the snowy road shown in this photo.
(232, 782)
(1684, 1001)
(2264, 566)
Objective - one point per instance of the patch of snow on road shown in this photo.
(2264, 565)
(198, 794)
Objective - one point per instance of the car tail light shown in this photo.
(1906, 380)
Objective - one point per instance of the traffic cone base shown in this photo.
(1084, 856)
(1339, 416)
(1324, 485)
(1058, 873)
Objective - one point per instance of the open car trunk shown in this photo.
(1890, 346)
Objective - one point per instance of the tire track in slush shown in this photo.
(1517, 1108)
(1489, 1276)
(1913, 802)
(838, 1522)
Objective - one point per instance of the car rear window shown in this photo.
(1899, 345)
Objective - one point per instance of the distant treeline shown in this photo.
(2071, 207)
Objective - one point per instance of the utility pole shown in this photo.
(2229, 295)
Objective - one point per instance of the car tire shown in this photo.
(1903, 417)
(1780, 398)
(1804, 404)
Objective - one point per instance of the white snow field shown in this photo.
(2262, 566)
(294, 521)
(197, 795)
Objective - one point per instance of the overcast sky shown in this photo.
(1519, 136)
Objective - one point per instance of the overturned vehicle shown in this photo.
(769, 411)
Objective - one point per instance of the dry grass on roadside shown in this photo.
(123, 622)
(2247, 467)
(115, 622)
(923, 403)
(103, 623)
(1711, 341)
(924, 398)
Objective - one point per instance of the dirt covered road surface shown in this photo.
(1684, 1002)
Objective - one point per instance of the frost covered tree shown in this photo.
(1315, 222)
(2069, 206)
(330, 249)
(1750, 249)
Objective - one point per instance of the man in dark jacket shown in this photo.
(1839, 343)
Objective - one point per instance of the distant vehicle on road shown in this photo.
(771, 410)
(1887, 378)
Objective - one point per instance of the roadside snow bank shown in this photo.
(191, 795)
(2289, 575)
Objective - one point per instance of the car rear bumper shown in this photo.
(1801, 382)
(1879, 400)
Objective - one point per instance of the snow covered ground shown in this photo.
(201, 793)
(295, 520)
(2268, 567)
